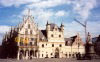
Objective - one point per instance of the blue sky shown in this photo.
(55, 11)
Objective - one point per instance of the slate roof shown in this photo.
(52, 25)
(42, 34)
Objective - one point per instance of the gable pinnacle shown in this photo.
(28, 12)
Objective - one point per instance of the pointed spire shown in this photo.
(62, 24)
(28, 12)
(78, 34)
(47, 23)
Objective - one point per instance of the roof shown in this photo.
(42, 34)
(52, 25)
(73, 38)
(68, 41)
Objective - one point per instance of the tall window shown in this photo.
(52, 45)
(42, 55)
(31, 32)
(31, 43)
(26, 31)
(59, 35)
(60, 45)
(51, 35)
(29, 26)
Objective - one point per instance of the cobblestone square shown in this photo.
(49, 60)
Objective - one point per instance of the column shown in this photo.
(34, 52)
(26, 54)
(18, 55)
(37, 54)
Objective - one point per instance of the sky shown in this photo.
(53, 11)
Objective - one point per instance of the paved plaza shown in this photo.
(49, 60)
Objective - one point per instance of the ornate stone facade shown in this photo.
(30, 42)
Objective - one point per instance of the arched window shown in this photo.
(31, 32)
(26, 31)
(52, 45)
(59, 35)
(30, 43)
(51, 35)
(60, 45)
(29, 26)
(42, 45)
(42, 55)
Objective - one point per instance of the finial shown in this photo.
(78, 34)
(47, 22)
(28, 12)
(62, 24)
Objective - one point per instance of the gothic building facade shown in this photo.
(26, 41)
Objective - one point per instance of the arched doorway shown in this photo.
(57, 53)
(31, 54)
(27, 54)
(21, 54)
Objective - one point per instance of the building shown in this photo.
(26, 41)
(96, 42)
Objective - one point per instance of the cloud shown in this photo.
(42, 15)
(42, 11)
(48, 3)
(73, 28)
(16, 3)
(3, 30)
(61, 13)
(83, 7)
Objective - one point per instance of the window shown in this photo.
(29, 26)
(66, 43)
(60, 45)
(31, 43)
(42, 55)
(42, 45)
(69, 55)
(66, 54)
(31, 32)
(32, 39)
(26, 32)
(56, 29)
(21, 43)
(59, 35)
(52, 35)
(52, 45)
(51, 53)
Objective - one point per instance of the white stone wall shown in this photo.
(48, 49)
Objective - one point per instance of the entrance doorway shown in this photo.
(57, 53)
